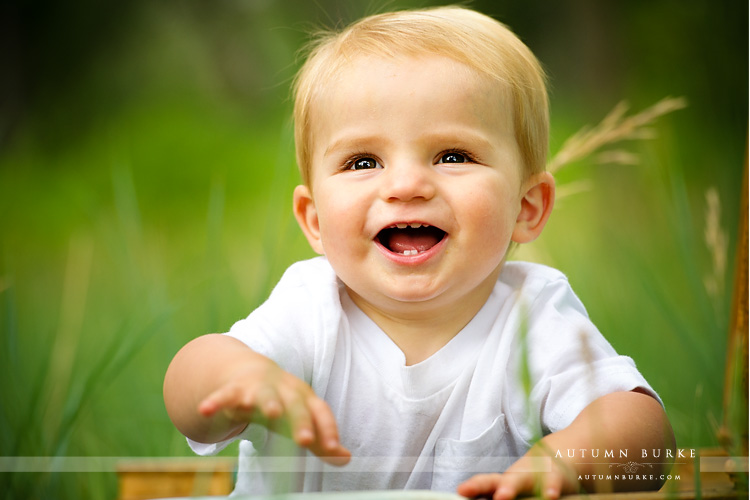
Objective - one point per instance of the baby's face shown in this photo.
(416, 181)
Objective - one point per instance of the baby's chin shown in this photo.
(397, 296)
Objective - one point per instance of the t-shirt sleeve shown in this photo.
(295, 327)
(255, 433)
(570, 362)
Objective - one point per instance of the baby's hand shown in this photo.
(522, 478)
(263, 393)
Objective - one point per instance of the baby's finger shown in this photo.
(327, 445)
(481, 484)
(513, 484)
(268, 402)
(298, 416)
(225, 397)
(504, 486)
(327, 432)
(552, 486)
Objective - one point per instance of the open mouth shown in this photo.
(410, 238)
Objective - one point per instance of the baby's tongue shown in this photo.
(421, 241)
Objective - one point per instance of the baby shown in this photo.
(411, 355)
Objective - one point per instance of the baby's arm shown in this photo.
(631, 421)
(216, 385)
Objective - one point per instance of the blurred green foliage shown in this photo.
(146, 170)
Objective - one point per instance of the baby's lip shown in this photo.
(410, 238)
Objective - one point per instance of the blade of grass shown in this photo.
(72, 309)
(214, 220)
(129, 221)
(685, 333)
(121, 351)
(26, 407)
(685, 234)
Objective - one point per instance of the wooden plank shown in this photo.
(148, 479)
(734, 431)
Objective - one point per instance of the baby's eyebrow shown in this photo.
(467, 139)
(350, 142)
(458, 138)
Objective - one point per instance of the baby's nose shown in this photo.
(408, 182)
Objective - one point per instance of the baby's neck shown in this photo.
(422, 330)
(419, 339)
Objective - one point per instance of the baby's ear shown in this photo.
(536, 206)
(307, 217)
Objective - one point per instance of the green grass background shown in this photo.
(146, 171)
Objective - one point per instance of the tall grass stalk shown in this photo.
(73, 306)
(614, 128)
(717, 243)
(214, 220)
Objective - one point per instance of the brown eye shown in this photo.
(453, 158)
(364, 164)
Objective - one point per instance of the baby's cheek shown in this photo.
(495, 219)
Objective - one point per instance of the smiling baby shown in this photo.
(401, 357)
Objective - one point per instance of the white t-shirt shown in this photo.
(474, 406)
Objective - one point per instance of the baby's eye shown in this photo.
(363, 163)
(454, 157)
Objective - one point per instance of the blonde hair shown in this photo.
(471, 38)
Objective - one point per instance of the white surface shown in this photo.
(353, 495)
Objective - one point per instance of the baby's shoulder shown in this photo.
(521, 274)
(540, 287)
(307, 284)
(307, 276)
(310, 273)
(307, 294)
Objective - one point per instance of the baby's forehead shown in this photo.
(382, 68)
(375, 93)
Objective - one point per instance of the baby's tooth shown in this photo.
(401, 226)
(415, 225)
